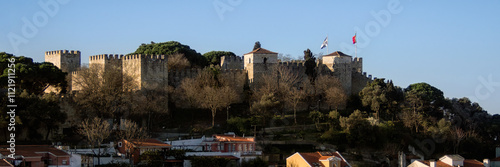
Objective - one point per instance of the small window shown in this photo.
(265, 60)
(120, 144)
(64, 162)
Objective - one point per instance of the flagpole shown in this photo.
(327, 49)
(356, 46)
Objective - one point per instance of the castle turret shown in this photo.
(259, 62)
(342, 66)
(67, 61)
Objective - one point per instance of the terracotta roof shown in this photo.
(4, 162)
(472, 163)
(148, 143)
(467, 163)
(233, 138)
(262, 51)
(311, 158)
(337, 53)
(314, 158)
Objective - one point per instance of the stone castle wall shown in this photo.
(150, 71)
(231, 62)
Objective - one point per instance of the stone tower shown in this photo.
(342, 67)
(259, 62)
(67, 61)
(148, 71)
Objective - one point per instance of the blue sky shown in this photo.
(450, 45)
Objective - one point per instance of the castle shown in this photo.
(258, 62)
(150, 71)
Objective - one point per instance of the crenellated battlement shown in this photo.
(61, 52)
(141, 56)
(231, 59)
(357, 59)
(105, 57)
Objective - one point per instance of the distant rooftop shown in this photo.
(337, 53)
(262, 51)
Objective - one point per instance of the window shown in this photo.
(64, 162)
(120, 144)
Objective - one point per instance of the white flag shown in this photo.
(325, 43)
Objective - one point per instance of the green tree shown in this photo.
(213, 57)
(264, 107)
(357, 128)
(383, 98)
(40, 112)
(422, 97)
(32, 76)
(316, 116)
(172, 48)
(334, 121)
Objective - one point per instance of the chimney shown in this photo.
(486, 163)
(432, 163)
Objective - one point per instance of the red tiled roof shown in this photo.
(467, 163)
(262, 51)
(148, 143)
(4, 162)
(337, 53)
(472, 163)
(313, 158)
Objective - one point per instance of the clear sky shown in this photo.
(452, 45)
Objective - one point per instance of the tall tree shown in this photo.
(103, 94)
(284, 83)
(424, 97)
(96, 131)
(32, 76)
(40, 112)
(256, 45)
(329, 90)
(310, 65)
(264, 107)
(209, 90)
(382, 97)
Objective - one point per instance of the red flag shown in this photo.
(354, 39)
